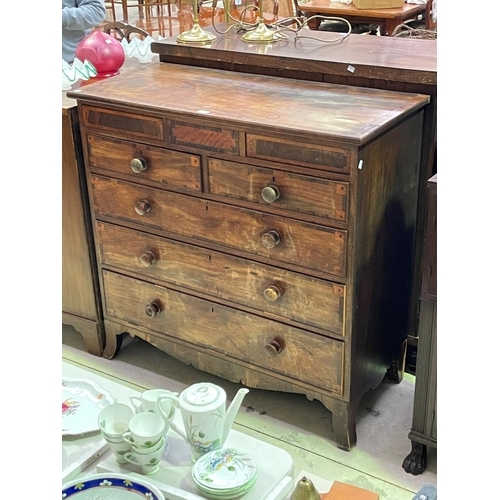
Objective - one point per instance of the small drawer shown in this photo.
(275, 291)
(310, 246)
(289, 191)
(201, 136)
(298, 153)
(122, 124)
(168, 168)
(253, 340)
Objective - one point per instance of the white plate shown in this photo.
(82, 401)
(223, 470)
(112, 486)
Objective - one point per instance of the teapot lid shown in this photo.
(203, 394)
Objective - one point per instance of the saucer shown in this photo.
(225, 472)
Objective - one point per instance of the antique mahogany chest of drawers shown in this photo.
(258, 228)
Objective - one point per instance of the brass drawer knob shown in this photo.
(148, 258)
(138, 165)
(272, 293)
(271, 239)
(270, 193)
(273, 348)
(153, 309)
(142, 207)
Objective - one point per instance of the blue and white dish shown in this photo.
(115, 486)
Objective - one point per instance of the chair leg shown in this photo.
(125, 11)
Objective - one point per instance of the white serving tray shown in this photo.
(78, 454)
(275, 466)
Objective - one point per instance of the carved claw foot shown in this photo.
(416, 462)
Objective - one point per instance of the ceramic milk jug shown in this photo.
(206, 421)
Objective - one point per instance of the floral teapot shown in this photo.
(206, 421)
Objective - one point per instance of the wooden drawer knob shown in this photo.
(273, 348)
(271, 239)
(270, 193)
(272, 293)
(153, 309)
(142, 206)
(148, 258)
(138, 165)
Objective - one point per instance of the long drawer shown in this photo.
(284, 240)
(285, 190)
(276, 291)
(264, 343)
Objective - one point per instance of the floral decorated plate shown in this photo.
(224, 471)
(82, 401)
(110, 486)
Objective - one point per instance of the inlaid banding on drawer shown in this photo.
(297, 354)
(264, 288)
(297, 153)
(166, 167)
(126, 125)
(202, 136)
(284, 240)
(279, 189)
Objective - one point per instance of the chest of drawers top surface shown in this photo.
(350, 114)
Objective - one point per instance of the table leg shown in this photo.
(390, 26)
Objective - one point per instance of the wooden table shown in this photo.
(387, 18)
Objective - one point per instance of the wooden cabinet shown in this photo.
(424, 426)
(260, 229)
(81, 307)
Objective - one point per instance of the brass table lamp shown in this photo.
(196, 34)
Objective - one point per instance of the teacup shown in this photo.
(148, 462)
(145, 430)
(158, 401)
(119, 449)
(153, 449)
(114, 420)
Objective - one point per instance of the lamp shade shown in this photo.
(104, 51)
